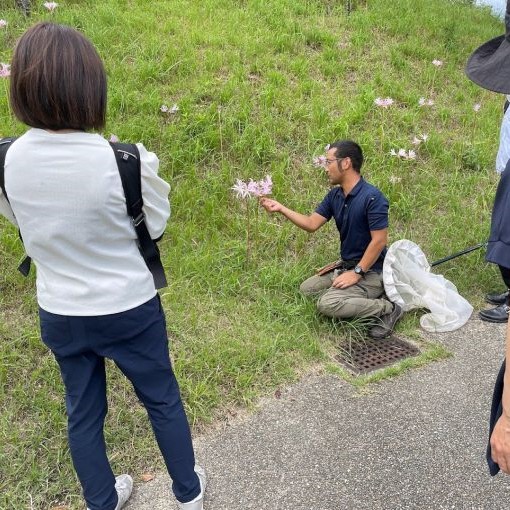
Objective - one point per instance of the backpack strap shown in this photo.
(5, 143)
(128, 163)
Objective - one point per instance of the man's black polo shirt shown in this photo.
(364, 209)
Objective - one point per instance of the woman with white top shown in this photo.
(96, 296)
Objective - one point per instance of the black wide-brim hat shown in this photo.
(489, 65)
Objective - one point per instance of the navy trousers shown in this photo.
(136, 340)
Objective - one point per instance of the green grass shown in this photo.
(262, 86)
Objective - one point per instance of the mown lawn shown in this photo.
(261, 86)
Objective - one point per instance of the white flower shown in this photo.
(425, 102)
(51, 6)
(476, 107)
(5, 70)
(403, 154)
(394, 179)
(384, 103)
(437, 63)
(3, 23)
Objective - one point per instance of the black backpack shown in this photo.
(128, 163)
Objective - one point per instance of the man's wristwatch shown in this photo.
(359, 270)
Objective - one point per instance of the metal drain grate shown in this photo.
(369, 354)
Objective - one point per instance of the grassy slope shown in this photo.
(261, 86)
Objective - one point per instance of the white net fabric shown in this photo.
(409, 283)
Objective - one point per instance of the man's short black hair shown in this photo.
(349, 149)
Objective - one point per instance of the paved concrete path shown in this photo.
(413, 442)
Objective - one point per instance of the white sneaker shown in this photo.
(123, 486)
(198, 502)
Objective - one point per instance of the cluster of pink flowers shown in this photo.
(113, 138)
(253, 188)
(403, 154)
(5, 70)
(425, 102)
(51, 6)
(383, 103)
(165, 109)
(3, 23)
(319, 161)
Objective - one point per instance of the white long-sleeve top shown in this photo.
(67, 198)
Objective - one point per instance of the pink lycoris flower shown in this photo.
(240, 189)
(3, 23)
(476, 107)
(266, 186)
(425, 102)
(5, 70)
(253, 188)
(403, 154)
(320, 161)
(384, 103)
(113, 138)
(437, 63)
(51, 6)
(165, 109)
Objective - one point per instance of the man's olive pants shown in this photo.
(361, 300)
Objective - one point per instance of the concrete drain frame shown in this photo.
(368, 355)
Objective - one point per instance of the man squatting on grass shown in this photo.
(355, 289)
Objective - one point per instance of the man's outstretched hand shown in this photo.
(500, 443)
(270, 205)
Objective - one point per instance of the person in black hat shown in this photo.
(489, 67)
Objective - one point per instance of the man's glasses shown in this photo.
(328, 161)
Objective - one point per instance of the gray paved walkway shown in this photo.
(413, 442)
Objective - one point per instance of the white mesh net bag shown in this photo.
(409, 283)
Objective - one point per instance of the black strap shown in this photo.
(5, 143)
(128, 162)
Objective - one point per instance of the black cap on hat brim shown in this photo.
(489, 65)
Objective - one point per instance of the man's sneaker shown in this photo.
(387, 323)
(498, 314)
(198, 502)
(123, 486)
(497, 299)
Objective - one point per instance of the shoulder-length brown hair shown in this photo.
(58, 80)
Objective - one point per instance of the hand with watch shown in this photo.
(349, 278)
(359, 270)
